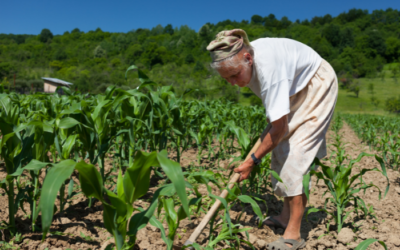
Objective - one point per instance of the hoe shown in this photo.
(215, 207)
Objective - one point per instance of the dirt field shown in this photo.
(81, 227)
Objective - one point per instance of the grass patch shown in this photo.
(384, 89)
(348, 102)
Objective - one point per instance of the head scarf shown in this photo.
(227, 43)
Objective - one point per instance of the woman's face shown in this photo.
(241, 73)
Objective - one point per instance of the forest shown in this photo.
(357, 43)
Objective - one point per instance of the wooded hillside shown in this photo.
(357, 44)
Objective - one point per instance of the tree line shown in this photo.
(356, 43)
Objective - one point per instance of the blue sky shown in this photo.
(30, 17)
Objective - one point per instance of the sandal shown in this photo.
(270, 218)
(280, 244)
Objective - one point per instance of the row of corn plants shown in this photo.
(344, 184)
(46, 139)
(379, 132)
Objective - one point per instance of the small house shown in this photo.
(51, 84)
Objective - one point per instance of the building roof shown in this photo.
(55, 80)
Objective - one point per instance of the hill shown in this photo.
(357, 43)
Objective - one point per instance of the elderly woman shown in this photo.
(298, 90)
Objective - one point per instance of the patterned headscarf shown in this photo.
(227, 43)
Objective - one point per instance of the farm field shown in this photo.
(138, 169)
(348, 102)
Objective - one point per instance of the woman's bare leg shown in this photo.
(292, 213)
(284, 217)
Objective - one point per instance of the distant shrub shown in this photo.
(393, 105)
(19, 83)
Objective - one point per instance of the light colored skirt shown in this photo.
(311, 111)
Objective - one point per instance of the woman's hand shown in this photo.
(245, 169)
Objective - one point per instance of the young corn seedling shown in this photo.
(341, 185)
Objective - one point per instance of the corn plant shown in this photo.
(13, 150)
(341, 185)
(118, 207)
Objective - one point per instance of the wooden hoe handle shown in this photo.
(235, 178)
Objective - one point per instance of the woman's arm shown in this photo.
(270, 139)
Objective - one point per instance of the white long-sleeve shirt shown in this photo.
(282, 67)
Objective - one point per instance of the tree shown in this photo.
(393, 105)
(6, 69)
(376, 41)
(189, 59)
(395, 71)
(199, 67)
(205, 32)
(154, 54)
(346, 38)
(354, 87)
(76, 33)
(257, 19)
(270, 21)
(169, 29)
(392, 48)
(99, 52)
(285, 22)
(373, 99)
(45, 35)
(133, 53)
(305, 22)
(159, 29)
(351, 84)
(332, 33)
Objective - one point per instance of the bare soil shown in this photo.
(81, 227)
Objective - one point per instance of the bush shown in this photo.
(19, 83)
(393, 105)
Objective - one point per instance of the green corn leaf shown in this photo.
(137, 177)
(159, 225)
(70, 187)
(276, 176)
(172, 216)
(140, 220)
(91, 181)
(364, 244)
(313, 210)
(132, 67)
(68, 145)
(120, 186)
(174, 172)
(51, 185)
(254, 205)
(119, 205)
(67, 122)
(32, 165)
(226, 216)
(111, 225)
(383, 167)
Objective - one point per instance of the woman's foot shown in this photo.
(286, 244)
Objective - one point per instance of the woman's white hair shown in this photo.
(231, 61)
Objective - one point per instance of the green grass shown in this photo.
(384, 89)
(348, 102)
